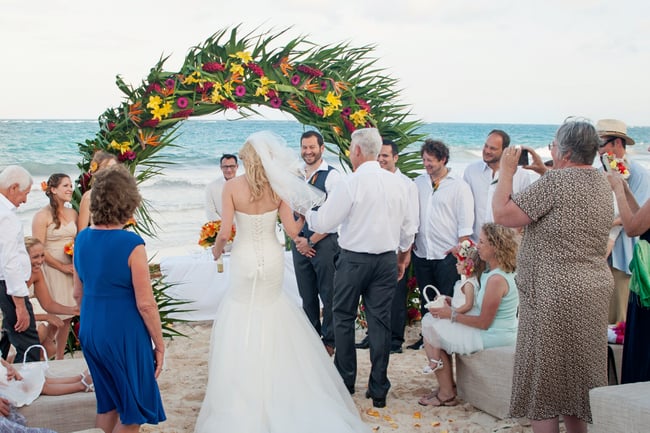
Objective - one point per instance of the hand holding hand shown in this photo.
(302, 246)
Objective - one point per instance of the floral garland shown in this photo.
(335, 89)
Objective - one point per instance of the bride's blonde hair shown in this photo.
(255, 174)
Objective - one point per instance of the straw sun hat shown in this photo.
(614, 128)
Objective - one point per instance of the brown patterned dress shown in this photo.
(564, 288)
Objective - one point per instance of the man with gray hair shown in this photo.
(18, 323)
(371, 206)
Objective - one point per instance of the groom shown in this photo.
(371, 206)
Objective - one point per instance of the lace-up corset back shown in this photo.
(257, 259)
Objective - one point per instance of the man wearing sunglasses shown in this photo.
(613, 134)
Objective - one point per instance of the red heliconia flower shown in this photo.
(111, 126)
(364, 105)
(129, 155)
(256, 69)
(151, 123)
(229, 104)
(414, 314)
(204, 87)
(213, 67)
(349, 125)
(313, 107)
(310, 71)
(153, 87)
(84, 180)
(183, 113)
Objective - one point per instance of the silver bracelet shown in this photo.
(453, 315)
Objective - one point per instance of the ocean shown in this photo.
(177, 197)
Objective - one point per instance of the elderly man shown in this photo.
(15, 267)
(371, 206)
(214, 189)
(482, 177)
(314, 253)
(613, 133)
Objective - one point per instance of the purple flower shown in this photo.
(295, 80)
(170, 83)
(346, 111)
(323, 85)
(275, 102)
(240, 91)
(182, 102)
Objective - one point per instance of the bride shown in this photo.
(268, 370)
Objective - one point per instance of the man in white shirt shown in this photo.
(388, 157)
(19, 326)
(482, 177)
(214, 189)
(314, 253)
(371, 206)
(446, 218)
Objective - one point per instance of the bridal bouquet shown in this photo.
(68, 248)
(611, 162)
(209, 232)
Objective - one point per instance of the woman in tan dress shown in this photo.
(563, 279)
(56, 226)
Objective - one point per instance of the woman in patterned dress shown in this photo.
(563, 279)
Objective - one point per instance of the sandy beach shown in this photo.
(183, 380)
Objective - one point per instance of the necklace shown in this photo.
(436, 182)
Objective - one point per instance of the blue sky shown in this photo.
(456, 61)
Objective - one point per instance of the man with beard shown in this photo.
(482, 177)
(314, 253)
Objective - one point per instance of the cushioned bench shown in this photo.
(620, 408)
(63, 413)
(484, 379)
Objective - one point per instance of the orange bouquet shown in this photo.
(68, 248)
(209, 232)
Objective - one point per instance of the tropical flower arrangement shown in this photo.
(68, 248)
(209, 232)
(336, 89)
(611, 162)
(467, 249)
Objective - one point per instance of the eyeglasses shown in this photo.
(228, 167)
(606, 142)
(550, 145)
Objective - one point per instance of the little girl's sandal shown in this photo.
(90, 387)
(434, 365)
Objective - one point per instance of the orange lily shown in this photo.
(337, 129)
(285, 66)
(135, 111)
(293, 104)
(236, 78)
(148, 139)
(167, 91)
(339, 86)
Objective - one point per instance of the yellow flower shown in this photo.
(359, 117)
(216, 97)
(123, 147)
(193, 78)
(347, 152)
(333, 100)
(244, 56)
(164, 111)
(227, 88)
(154, 101)
(93, 166)
(237, 68)
(328, 110)
(265, 81)
(262, 91)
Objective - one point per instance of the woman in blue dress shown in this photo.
(120, 332)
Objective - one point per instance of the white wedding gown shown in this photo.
(268, 369)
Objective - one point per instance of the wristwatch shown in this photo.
(310, 243)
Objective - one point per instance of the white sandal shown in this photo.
(90, 387)
(438, 365)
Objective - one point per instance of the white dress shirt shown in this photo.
(15, 266)
(446, 215)
(371, 205)
(213, 195)
(333, 178)
(413, 199)
(483, 183)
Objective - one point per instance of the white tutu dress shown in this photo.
(454, 337)
(268, 369)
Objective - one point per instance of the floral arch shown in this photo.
(334, 89)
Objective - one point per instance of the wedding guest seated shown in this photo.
(45, 308)
(495, 322)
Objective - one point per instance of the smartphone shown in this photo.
(523, 158)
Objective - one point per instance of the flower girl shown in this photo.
(434, 330)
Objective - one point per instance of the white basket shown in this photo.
(438, 302)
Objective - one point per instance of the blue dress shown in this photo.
(114, 339)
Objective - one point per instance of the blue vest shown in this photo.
(318, 180)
